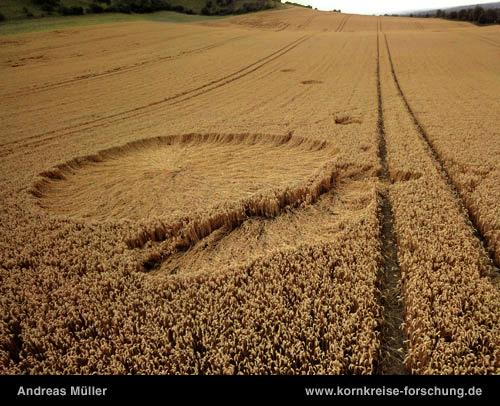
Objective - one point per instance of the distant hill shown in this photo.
(18, 9)
(479, 14)
(486, 6)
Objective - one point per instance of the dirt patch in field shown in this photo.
(347, 119)
(311, 82)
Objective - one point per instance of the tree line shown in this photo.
(225, 7)
(297, 4)
(211, 7)
(112, 6)
(476, 15)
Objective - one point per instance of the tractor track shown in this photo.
(439, 163)
(391, 361)
(171, 100)
(121, 69)
(342, 24)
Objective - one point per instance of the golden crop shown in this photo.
(451, 304)
(214, 198)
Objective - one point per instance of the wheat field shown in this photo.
(284, 192)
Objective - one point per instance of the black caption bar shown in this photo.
(24, 388)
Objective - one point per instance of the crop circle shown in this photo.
(176, 175)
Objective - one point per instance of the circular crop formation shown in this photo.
(175, 175)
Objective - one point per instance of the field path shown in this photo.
(392, 337)
(439, 251)
(440, 164)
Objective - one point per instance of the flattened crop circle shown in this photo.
(175, 175)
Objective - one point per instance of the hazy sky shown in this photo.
(384, 6)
